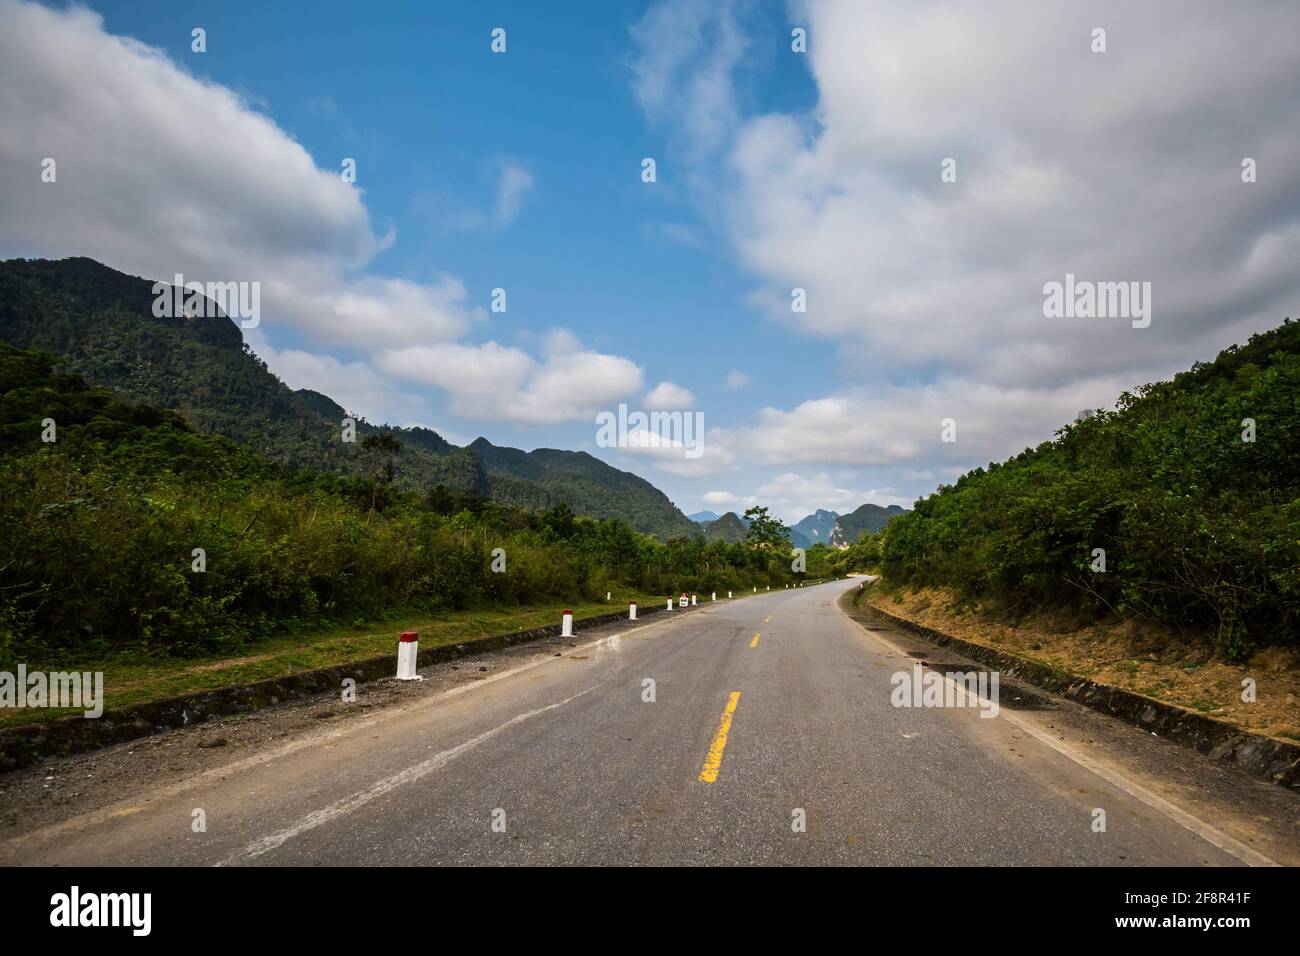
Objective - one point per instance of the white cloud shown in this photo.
(492, 382)
(354, 385)
(737, 379)
(682, 72)
(793, 497)
(1117, 166)
(728, 501)
(902, 425)
(1124, 165)
(513, 183)
(669, 453)
(160, 172)
(667, 396)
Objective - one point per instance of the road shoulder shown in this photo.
(1261, 815)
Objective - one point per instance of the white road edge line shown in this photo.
(1228, 844)
(121, 807)
(375, 790)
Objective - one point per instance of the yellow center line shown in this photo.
(754, 642)
(713, 762)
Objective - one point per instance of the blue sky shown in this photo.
(776, 170)
(431, 116)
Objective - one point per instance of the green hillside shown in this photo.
(1199, 525)
(101, 323)
(123, 531)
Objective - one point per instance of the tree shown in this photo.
(379, 451)
(765, 531)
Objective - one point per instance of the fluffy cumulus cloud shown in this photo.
(669, 396)
(162, 173)
(727, 500)
(893, 425)
(1123, 165)
(492, 382)
(792, 496)
(1117, 166)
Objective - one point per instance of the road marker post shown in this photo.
(728, 595)
(713, 595)
(606, 597)
(631, 610)
(566, 624)
(670, 602)
(408, 649)
(693, 600)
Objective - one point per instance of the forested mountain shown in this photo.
(867, 518)
(729, 528)
(101, 323)
(1182, 506)
(816, 527)
(704, 517)
(585, 483)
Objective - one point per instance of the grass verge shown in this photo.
(130, 681)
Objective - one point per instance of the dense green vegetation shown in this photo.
(98, 531)
(1200, 528)
(101, 323)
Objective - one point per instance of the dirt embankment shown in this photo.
(1150, 661)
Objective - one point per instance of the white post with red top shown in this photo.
(566, 624)
(408, 650)
(631, 610)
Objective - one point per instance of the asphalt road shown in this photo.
(564, 761)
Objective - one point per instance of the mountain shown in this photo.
(733, 529)
(848, 528)
(729, 528)
(799, 540)
(585, 483)
(817, 527)
(704, 517)
(100, 322)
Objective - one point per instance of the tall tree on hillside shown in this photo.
(765, 530)
(380, 451)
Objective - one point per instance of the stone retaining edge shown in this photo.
(1259, 754)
